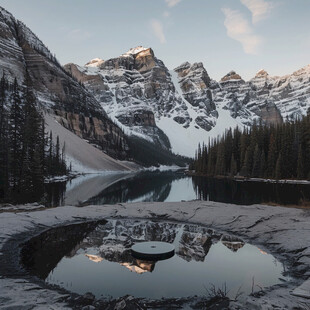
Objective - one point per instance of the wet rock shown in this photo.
(215, 303)
(86, 300)
(89, 308)
(126, 302)
(303, 290)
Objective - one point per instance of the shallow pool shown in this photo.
(96, 258)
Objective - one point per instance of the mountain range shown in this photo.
(110, 102)
(144, 98)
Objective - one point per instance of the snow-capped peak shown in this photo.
(304, 70)
(135, 50)
(232, 75)
(185, 64)
(261, 73)
(96, 62)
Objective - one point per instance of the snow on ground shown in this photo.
(84, 157)
(7, 207)
(285, 232)
(185, 141)
(275, 181)
(162, 168)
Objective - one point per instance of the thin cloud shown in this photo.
(172, 3)
(166, 14)
(238, 28)
(260, 9)
(158, 30)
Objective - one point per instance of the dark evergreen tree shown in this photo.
(16, 122)
(233, 166)
(26, 155)
(271, 159)
(300, 164)
(262, 151)
(279, 170)
(256, 162)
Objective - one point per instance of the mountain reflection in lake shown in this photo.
(97, 258)
(169, 186)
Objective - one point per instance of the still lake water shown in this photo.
(97, 258)
(169, 186)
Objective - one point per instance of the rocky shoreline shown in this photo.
(282, 231)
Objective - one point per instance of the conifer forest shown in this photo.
(276, 152)
(27, 152)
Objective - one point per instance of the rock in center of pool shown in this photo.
(152, 250)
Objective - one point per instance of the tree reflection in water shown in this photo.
(171, 186)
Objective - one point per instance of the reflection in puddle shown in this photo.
(97, 258)
(94, 258)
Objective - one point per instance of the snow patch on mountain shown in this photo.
(141, 96)
(185, 141)
(96, 62)
(135, 50)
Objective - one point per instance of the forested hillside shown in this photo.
(27, 153)
(278, 152)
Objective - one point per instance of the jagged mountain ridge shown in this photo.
(174, 109)
(23, 53)
(139, 93)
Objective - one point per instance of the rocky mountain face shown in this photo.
(145, 99)
(139, 93)
(22, 53)
(136, 95)
(134, 89)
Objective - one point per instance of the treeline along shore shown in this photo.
(269, 152)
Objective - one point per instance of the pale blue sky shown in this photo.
(240, 35)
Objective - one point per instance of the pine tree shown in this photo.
(26, 156)
(256, 162)
(246, 168)
(50, 154)
(220, 161)
(264, 151)
(262, 168)
(300, 164)
(37, 172)
(57, 153)
(16, 122)
(278, 170)
(271, 159)
(233, 166)
(4, 138)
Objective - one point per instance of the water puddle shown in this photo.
(96, 258)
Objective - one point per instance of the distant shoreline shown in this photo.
(245, 179)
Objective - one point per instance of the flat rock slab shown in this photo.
(285, 232)
(303, 290)
(152, 250)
